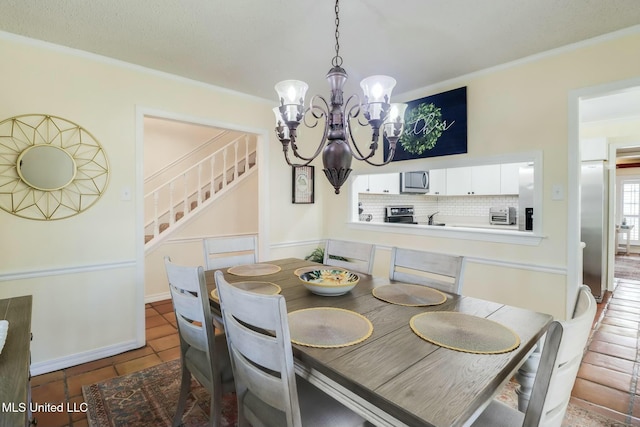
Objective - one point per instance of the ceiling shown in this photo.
(249, 45)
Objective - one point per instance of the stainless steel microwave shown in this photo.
(414, 182)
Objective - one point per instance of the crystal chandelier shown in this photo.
(338, 145)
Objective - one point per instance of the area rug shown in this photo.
(148, 398)
(574, 417)
(627, 267)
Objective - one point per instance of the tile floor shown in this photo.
(66, 385)
(608, 378)
(606, 383)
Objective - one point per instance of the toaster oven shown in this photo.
(502, 216)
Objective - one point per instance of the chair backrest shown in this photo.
(223, 252)
(559, 363)
(260, 346)
(191, 305)
(436, 270)
(359, 256)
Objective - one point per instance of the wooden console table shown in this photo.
(15, 391)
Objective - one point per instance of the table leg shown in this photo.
(526, 376)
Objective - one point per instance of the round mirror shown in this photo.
(46, 167)
(53, 168)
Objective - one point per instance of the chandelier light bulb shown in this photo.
(377, 88)
(376, 91)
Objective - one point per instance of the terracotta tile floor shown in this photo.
(66, 385)
(606, 383)
(608, 378)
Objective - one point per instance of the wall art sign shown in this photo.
(434, 126)
(303, 184)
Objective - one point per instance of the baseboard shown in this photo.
(157, 297)
(47, 366)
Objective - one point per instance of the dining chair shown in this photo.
(436, 270)
(353, 256)
(559, 363)
(268, 392)
(203, 353)
(229, 251)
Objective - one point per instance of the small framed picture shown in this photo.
(303, 184)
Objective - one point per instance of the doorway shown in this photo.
(609, 132)
(627, 218)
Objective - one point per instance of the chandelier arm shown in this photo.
(286, 158)
(357, 154)
(317, 111)
(384, 162)
(313, 108)
(354, 112)
(357, 108)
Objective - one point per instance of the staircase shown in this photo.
(171, 204)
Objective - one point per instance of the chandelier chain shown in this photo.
(337, 60)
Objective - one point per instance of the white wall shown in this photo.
(518, 108)
(86, 273)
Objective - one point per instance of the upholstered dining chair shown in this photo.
(353, 256)
(203, 353)
(269, 393)
(229, 251)
(436, 270)
(559, 363)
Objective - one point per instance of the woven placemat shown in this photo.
(265, 288)
(463, 332)
(253, 269)
(409, 295)
(328, 327)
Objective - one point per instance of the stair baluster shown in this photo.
(156, 225)
(192, 198)
(185, 195)
(246, 154)
(200, 199)
(235, 162)
(172, 216)
(224, 168)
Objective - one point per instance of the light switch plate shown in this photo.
(125, 194)
(557, 192)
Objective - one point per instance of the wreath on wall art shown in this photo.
(424, 125)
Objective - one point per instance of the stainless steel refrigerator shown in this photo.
(593, 216)
(525, 198)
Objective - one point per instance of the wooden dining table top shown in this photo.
(410, 379)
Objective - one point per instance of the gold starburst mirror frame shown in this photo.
(50, 168)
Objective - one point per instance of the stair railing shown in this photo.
(199, 183)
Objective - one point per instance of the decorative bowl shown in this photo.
(329, 282)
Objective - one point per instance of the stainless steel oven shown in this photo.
(399, 214)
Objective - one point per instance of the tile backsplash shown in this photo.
(467, 206)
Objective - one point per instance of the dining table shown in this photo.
(394, 377)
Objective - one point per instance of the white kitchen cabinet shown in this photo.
(510, 177)
(384, 183)
(458, 181)
(438, 182)
(478, 180)
(361, 183)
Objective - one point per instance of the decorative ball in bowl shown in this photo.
(329, 282)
